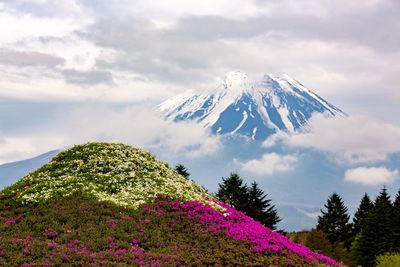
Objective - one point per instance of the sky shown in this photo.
(76, 71)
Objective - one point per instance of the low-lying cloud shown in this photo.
(310, 214)
(268, 164)
(371, 176)
(140, 126)
(352, 139)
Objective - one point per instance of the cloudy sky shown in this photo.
(129, 51)
(73, 71)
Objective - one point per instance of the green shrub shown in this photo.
(388, 260)
(317, 240)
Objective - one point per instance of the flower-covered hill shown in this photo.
(101, 204)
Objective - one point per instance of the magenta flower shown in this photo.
(50, 233)
(237, 225)
(52, 244)
(10, 221)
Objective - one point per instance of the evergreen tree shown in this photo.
(376, 236)
(334, 222)
(180, 169)
(361, 213)
(260, 209)
(396, 222)
(233, 191)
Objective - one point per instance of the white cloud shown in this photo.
(138, 126)
(371, 176)
(12, 148)
(269, 164)
(310, 214)
(174, 9)
(141, 126)
(21, 25)
(78, 54)
(352, 139)
(49, 86)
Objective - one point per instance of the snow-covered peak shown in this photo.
(235, 78)
(235, 83)
(256, 109)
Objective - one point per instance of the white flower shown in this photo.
(117, 173)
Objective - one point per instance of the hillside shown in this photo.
(102, 204)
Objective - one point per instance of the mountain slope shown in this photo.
(13, 171)
(254, 109)
(103, 204)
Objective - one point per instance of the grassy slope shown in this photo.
(96, 204)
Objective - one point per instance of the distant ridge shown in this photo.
(12, 171)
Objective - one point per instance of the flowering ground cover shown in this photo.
(113, 205)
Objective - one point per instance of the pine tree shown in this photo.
(396, 222)
(260, 209)
(361, 213)
(233, 191)
(334, 222)
(376, 236)
(180, 169)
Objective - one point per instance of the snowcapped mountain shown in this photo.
(255, 109)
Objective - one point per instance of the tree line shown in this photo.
(373, 231)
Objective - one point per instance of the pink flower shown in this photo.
(46, 263)
(10, 221)
(135, 242)
(52, 244)
(50, 233)
(237, 225)
(26, 251)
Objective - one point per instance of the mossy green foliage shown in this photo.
(318, 241)
(114, 172)
(81, 231)
(388, 260)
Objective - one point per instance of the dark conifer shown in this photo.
(396, 222)
(180, 169)
(361, 214)
(260, 208)
(334, 222)
(233, 191)
(376, 236)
